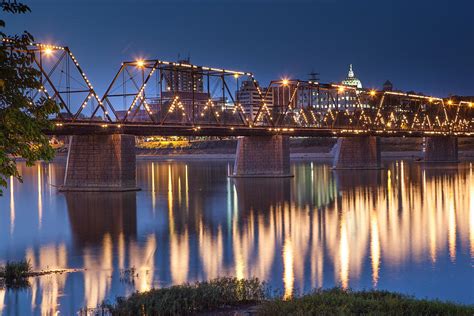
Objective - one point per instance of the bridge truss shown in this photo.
(155, 97)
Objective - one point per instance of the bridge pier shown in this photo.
(440, 149)
(358, 152)
(100, 163)
(262, 156)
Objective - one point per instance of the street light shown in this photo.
(140, 63)
(48, 51)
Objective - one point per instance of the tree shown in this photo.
(22, 118)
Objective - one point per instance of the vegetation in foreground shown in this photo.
(15, 274)
(347, 302)
(231, 294)
(23, 118)
(192, 298)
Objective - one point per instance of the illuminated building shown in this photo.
(351, 80)
(178, 80)
(250, 99)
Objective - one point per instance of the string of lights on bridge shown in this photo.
(216, 111)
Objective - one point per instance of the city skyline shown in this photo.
(419, 57)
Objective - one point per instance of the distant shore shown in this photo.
(317, 148)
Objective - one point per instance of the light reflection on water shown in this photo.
(408, 228)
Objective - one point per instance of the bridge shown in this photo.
(156, 97)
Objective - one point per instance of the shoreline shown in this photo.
(322, 157)
(302, 156)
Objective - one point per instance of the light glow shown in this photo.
(140, 63)
(48, 51)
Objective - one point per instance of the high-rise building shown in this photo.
(181, 79)
(251, 100)
(285, 95)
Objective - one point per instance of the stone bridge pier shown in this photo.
(100, 163)
(357, 152)
(440, 149)
(262, 156)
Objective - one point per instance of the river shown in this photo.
(406, 228)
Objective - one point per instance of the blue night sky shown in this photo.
(421, 45)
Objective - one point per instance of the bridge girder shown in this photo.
(168, 98)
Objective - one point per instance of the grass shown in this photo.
(347, 302)
(191, 298)
(15, 274)
(226, 293)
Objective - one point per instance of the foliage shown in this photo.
(191, 298)
(22, 118)
(347, 302)
(15, 274)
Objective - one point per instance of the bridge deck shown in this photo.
(140, 129)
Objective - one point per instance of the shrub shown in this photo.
(191, 298)
(344, 302)
(15, 274)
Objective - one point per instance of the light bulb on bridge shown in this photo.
(372, 93)
(140, 63)
(236, 76)
(450, 102)
(341, 89)
(48, 51)
(285, 82)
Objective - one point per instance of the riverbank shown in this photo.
(232, 296)
(317, 148)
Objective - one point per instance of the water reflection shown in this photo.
(53, 257)
(408, 228)
(95, 215)
(99, 222)
(12, 205)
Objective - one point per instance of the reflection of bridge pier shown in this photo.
(440, 149)
(261, 195)
(347, 180)
(93, 215)
(262, 156)
(101, 163)
(358, 152)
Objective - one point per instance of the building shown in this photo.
(284, 96)
(351, 80)
(181, 79)
(251, 100)
(387, 86)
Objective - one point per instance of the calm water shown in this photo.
(408, 228)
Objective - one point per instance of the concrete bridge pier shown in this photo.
(100, 163)
(358, 152)
(440, 149)
(262, 156)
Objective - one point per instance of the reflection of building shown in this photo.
(251, 100)
(351, 80)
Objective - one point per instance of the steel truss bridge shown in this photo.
(155, 97)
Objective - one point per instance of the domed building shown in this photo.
(351, 79)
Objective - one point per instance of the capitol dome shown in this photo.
(351, 79)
